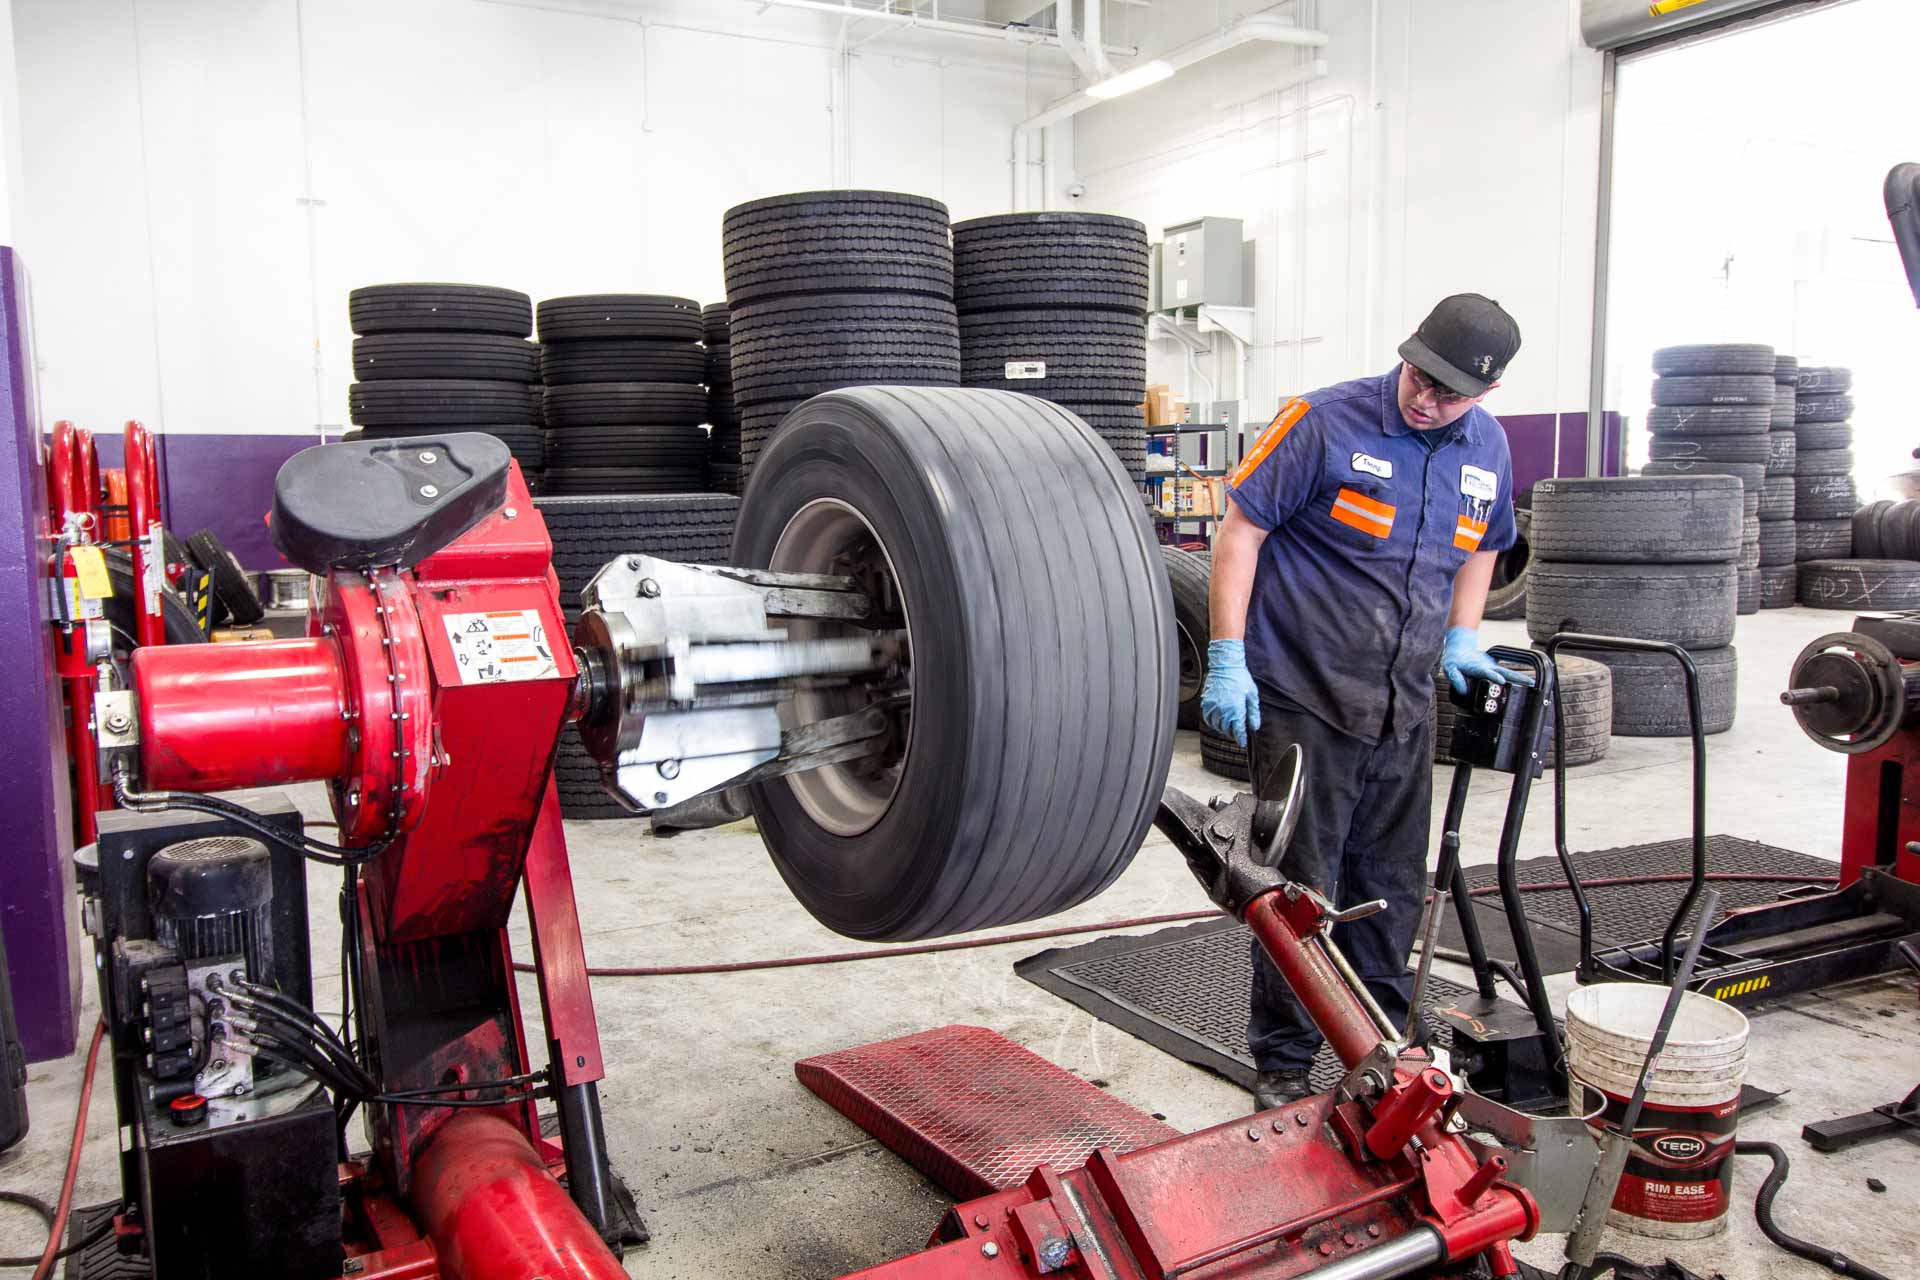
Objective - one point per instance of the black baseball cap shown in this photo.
(1465, 342)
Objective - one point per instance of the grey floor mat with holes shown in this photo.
(1184, 990)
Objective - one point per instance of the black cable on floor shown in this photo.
(46, 1213)
(1832, 1259)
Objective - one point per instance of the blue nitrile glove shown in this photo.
(1462, 658)
(1229, 702)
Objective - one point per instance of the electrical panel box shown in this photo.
(1202, 262)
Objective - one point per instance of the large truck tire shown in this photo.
(1650, 692)
(1664, 519)
(1684, 604)
(1044, 662)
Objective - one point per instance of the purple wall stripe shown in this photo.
(37, 909)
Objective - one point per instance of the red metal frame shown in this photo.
(73, 493)
(143, 515)
(1881, 815)
(449, 773)
(1276, 1195)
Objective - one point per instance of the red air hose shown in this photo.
(45, 1268)
(1136, 922)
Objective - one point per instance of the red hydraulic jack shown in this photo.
(1370, 1181)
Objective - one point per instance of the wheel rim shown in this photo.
(829, 536)
(1190, 665)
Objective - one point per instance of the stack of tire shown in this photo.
(830, 289)
(723, 415)
(1712, 415)
(1823, 490)
(1882, 573)
(587, 532)
(1055, 305)
(1779, 579)
(1585, 699)
(433, 358)
(626, 395)
(1648, 558)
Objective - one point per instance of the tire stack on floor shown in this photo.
(434, 358)
(1055, 305)
(829, 289)
(1823, 489)
(1779, 578)
(587, 532)
(1712, 415)
(1648, 558)
(625, 394)
(723, 415)
(1883, 573)
(1586, 700)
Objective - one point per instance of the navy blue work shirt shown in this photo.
(1366, 527)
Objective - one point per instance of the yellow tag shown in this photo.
(91, 570)
(1661, 8)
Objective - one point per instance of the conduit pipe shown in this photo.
(1264, 28)
(999, 31)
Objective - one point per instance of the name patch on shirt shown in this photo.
(1476, 482)
(1373, 466)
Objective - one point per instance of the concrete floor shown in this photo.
(741, 1172)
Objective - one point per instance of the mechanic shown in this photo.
(1358, 546)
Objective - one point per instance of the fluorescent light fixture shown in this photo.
(1132, 78)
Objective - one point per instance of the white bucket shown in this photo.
(1679, 1172)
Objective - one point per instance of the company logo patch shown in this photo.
(1373, 466)
(1477, 482)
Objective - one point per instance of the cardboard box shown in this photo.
(1162, 407)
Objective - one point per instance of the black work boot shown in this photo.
(1280, 1088)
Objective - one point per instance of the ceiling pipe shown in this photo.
(1265, 28)
(1262, 28)
(1000, 32)
(1090, 38)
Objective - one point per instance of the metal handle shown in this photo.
(1695, 721)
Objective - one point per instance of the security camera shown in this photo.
(1077, 190)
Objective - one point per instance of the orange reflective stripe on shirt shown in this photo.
(1369, 515)
(1467, 534)
(1290, 413)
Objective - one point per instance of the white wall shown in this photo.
(1476, 170)
(205, 180)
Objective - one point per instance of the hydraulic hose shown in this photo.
(1137, 922)
(1832, 1259)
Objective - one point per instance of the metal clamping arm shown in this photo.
(685, 676)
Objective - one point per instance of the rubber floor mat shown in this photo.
(1635, 912)
(1184, 991)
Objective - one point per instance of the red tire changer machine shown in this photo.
(428, 697)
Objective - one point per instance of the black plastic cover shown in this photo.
(212, 875)
(366, 504)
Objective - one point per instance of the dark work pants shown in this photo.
(1365, 810)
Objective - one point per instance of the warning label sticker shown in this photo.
(507, 645)
(1018, 369)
